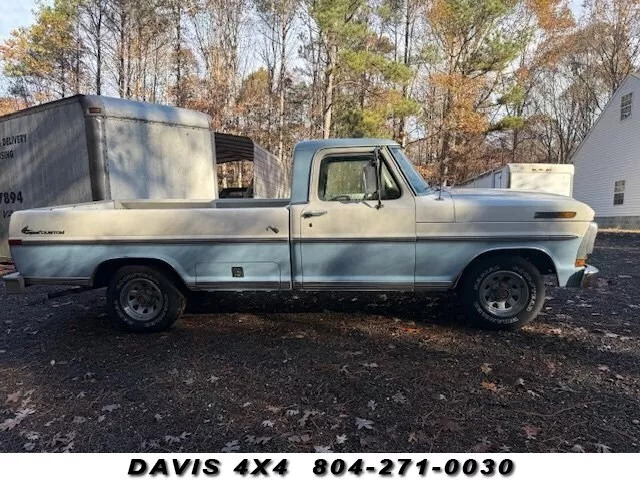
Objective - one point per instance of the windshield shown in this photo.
(419, 184)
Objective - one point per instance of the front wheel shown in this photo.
(503, 292)
(143, 299)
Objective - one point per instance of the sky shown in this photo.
(18, 13)
(15, 13)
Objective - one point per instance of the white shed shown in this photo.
(541, 177)
(607, 162)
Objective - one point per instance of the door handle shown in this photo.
(314, 213)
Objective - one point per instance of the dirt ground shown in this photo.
(313, 372)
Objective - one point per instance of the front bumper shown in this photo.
(590, 276)
(14, 282)
(585, 278)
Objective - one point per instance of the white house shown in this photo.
(607, 162)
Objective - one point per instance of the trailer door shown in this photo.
(497, 179)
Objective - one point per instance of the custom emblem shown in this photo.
(27, 231)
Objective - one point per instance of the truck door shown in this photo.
(347, 242)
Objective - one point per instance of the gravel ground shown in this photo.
(346, 372)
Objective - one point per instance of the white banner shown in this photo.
(298, 466)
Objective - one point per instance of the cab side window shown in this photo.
(342, 180)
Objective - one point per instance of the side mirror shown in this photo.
(370, 177)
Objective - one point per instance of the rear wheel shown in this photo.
(143, 299)
(503, 292)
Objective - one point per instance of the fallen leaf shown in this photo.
(399, 398)
(77, 419)
(213, 379)
(448, 425)
(13, 397)
(413, 437)
(11, 423)
(482, 446)
(530, 431)
(340, 439)
(189, 381)
(111, 408)
(368, 441)
(322, 449)
(370, 365)
(232, 446)
(489, 386)
(364, 423)
(577, 448)
(268, 423)
(486, 369)
(602, 448)
(372, 404)
(306, 438)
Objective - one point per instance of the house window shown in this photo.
(618, 192)
(625, 106)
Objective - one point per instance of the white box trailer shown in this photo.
(541, 177)
(87, 148)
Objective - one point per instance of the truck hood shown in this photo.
(505, 205)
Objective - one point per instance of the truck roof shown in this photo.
(343, 142)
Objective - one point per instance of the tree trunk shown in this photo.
(402, 127)
(178, 54)
(328, 89)
(281, 85)
(99, 56)
(121, 51)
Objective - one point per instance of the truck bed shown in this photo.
(172, 204)
(207, 242)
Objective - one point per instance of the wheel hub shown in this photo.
(503, 293)
(141, 299)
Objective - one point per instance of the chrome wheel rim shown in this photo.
(141, 299)
(504, 293)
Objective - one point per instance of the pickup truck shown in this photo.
(360, 218)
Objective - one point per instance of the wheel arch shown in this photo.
(105, 270)
(539, 257)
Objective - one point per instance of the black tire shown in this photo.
(484, 287)
(160, 304)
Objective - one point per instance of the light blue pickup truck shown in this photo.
(359, 218)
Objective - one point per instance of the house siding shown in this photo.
(611, 152)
